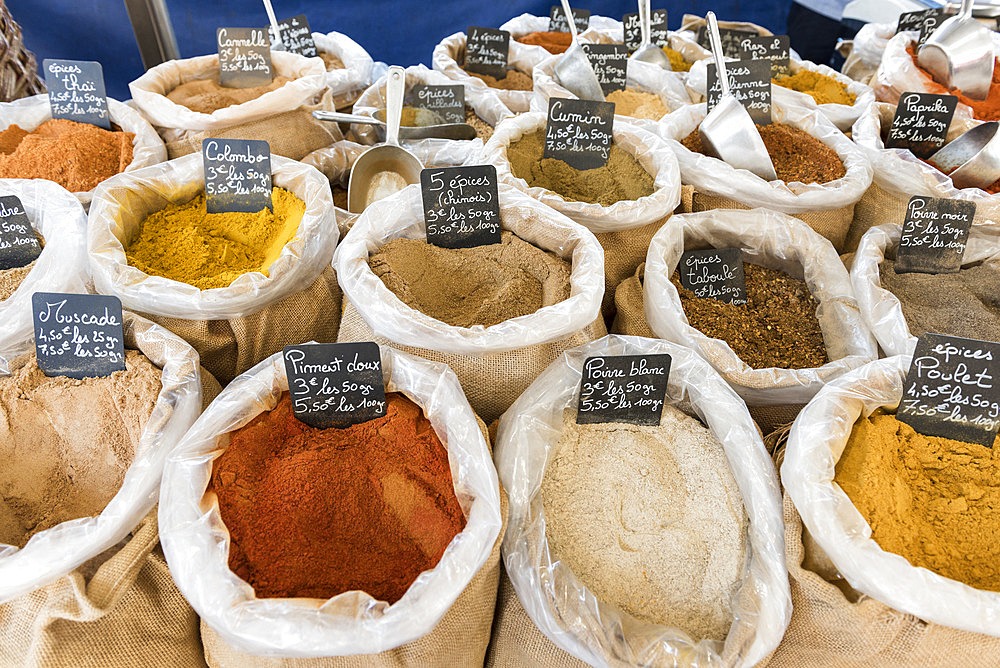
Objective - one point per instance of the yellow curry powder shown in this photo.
(677, 62)
(211, 250)
(823, 89)
(932, 500)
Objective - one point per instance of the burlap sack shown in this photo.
(561, 606)
(780, 242)
(630, 313)
(828, 208)
(624, 228)
(348, 83)
(147, 147)
(494, 364)
(444, 618)
(899, 175)
(484, 101)
(235, 327)
(282, 117)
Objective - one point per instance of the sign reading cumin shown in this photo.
(579, 132)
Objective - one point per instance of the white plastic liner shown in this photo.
(346, 84)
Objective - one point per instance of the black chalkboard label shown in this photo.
(716, 274)
(623, 388)
(579, 132)
(609, 62)
(76, 91)
(951, 389)
(658, 34)
(19, 244)
(486, 51)
(731, 40)
(750, 83)
(926, 22)
(921, 122)
(557, 19)
(335, 384)
(79, 336)
(237, 175)
(244, 57)
(775, 48)
(934, 234)
(296, 36)
(461, 206)
(445, 100)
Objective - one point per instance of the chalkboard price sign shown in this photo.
(19, 244)
(926, 22)
(657, 30)
(76, 91)
(731, 40)
(951, 389)
(446, 100)
(461, 206)
(79, 336)
(579, 132)
(558, 23)
(244, 57)
(921, 122)
(335, 384)
(750, 83)
(237, 175)
(716, 273)
(609, 62)
(775, 48)
(623, 388)
(296, 36)
(486, 51)
(934, 234)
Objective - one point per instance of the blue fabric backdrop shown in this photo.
(401, 32)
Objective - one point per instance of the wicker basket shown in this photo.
(18, 69)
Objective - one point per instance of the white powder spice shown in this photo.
(650, 519)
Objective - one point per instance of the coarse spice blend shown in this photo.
(797, 155)
(208, 95)
(776, 328)
(515, 80)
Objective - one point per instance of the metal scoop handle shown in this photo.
(720, 60)
(345, 118)
(569, 18)
(644, 23)
(966, 11)
(394, 85)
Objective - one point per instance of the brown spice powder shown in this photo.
(208, 95)
(776, 328)
(797, 155)
(331, 61)
(11, 279)
(515, 80)
(339, 196)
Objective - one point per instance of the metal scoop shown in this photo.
(435, 129)
(382, 170)
(647, 51)
(959, 54)
(728, 132)
(972, 160)
(573, 68)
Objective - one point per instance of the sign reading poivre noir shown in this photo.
(76, 91)
(623, 388)
(237, 175)
(461, 206)
(716, 273)
(244, 57)
(78, 336)
(750, 83)
(934, 234)
(486, 51)
(19, 245)
(579, 132)
(921, 122)
(335, 384)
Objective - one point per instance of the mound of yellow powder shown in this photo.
(677, 62)
(211, 250)
(637, 104)
(823, 89)
(932, 500)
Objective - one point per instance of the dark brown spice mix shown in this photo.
(776, 328)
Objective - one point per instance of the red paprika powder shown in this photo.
(553, 42)
(984, 110)
(318, 512)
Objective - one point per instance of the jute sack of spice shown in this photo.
(232, 327)
(84, 588)
(347, 79)
(444, 616)
(147, 147)
(899, 175)
(494, 363)
(935, 301)
(711, 183)
(565, 609)
(841, 534)
(779, 242)
(483, 105)
(282, 117)
(60, 222)
(840, 114)
(625, 227)
(335, 163)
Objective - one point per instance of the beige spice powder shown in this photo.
(208, 95)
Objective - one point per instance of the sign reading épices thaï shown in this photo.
(244, 57)
(19, 245)
(623, 388)
(461, 206)
(716, 273)
(335, 384)
(934, 233)
(579, 132)
(76, 91)
(77, 335)
(237, 175)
